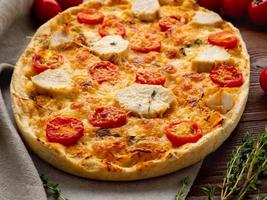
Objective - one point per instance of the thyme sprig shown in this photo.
(52, 189)
(182, 192)
(247, 163)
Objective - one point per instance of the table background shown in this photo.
(254, 118)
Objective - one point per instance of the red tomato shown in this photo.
(235, 8)
(90, 16)
(150, 77)
(166, 23)
(224, 39)
(64, 130)
(257, 11)
(183, 132)
(210, 4)
(46, 59)
(69, 3)
(46, 9)
(226, 76)
(104, 71)
(146, 43)
(263, 79)
(112, 26)
(108, 117)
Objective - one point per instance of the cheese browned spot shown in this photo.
(145, 100)
(145, 10)
(111, 47)
(53, 82)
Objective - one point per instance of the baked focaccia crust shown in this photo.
(177, 93)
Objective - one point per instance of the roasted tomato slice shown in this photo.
(64, 130)
(46, 59)
(145, 44)
(104, 71)
(108, 117)
(168, 22)
(224, 39)
(90, 16)
(112, 26)
(226, 76)
(182, 132)
(151, 77)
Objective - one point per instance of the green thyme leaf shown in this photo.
(182, 192)
(52, 189)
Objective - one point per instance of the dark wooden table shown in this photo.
(254, 118)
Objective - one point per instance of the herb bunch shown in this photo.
(52, 189)
(247, 163)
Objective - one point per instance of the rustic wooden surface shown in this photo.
(254, 118)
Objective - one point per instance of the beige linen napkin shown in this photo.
(19, 178)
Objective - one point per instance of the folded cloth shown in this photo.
(19, 179)
(12, 9)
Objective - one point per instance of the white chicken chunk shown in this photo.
(208, 57)
(145, 10)
(221, 101)
(111, 47)
(54, 82)
(145, 100)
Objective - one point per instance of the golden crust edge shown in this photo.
(179, 159)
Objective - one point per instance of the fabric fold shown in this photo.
(19, 179)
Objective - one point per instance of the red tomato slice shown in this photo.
(104, 71)
(46, 59)
(183, 132)
(90, 16)
(64, 130)
(108, 117)
(166, 23)
(150, 77)
(226, 76)
(145, 44)
(112, 26)
(224, 39)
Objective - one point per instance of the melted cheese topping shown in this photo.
(186, 95)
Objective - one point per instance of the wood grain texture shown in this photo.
(254, 118)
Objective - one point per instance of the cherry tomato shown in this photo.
(108, 117)
(224, 39)
(210, 4)
(46, 59)
(90, 16)
(183, 132)
(64, 130)
(112, 26)
(46, 9)
(263, 79)
(226, 76)
(146, 43)
(150, 77)
(104, 71)
(235, 8)
(69, 3)
(166, 23)
(257, 11)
